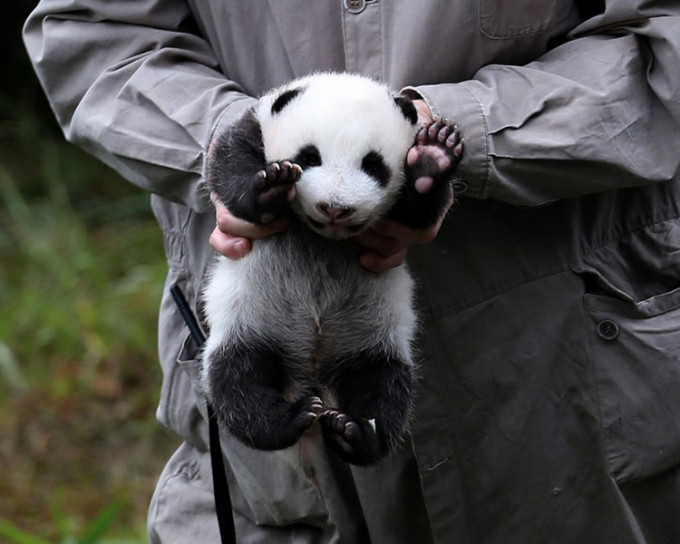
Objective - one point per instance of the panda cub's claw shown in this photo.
(308, 410)
(275, 186)
(315, 408)
(277, 175)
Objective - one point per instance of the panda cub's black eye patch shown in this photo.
(374, 165)
(283, 100)
(308, 157)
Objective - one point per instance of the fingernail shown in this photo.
(241, 248)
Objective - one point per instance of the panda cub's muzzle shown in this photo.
(335, 220)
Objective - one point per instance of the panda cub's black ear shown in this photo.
(405, 104)
(284, 99)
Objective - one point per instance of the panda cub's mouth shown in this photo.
(334, 229)
(334, 219)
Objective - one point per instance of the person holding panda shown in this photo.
(549, 294)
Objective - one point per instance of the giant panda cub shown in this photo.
(301, 337)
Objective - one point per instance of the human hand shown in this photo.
(425, 116)
(233, 237)
(387, 243)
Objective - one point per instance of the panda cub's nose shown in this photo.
(334, 212)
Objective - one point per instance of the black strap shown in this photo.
(225, 518)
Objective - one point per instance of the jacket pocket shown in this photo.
(635, 349)
(503, 19)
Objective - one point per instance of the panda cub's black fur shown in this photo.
(299, 333)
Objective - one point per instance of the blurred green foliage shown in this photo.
(94, 533)
(81, 272)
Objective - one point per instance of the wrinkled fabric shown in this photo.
(550, 335)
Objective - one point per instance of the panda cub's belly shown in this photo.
(309, 297)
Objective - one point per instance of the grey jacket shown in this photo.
(550, 352)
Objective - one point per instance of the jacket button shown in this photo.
(607, 329)
(459, 187)
(355, 6)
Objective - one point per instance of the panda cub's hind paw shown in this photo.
(305, 411)
(437, 150)
(275, 186)
(353, 439)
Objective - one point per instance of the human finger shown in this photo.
(233, 247)
(375, 262)
(228, 223)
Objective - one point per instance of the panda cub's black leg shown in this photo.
(374, 405)
(245, 384)
(243, 181)
(430, 163)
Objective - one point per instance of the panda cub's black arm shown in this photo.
(242, 180)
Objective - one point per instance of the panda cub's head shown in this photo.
(350, 135)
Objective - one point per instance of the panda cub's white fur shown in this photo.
(300, 335)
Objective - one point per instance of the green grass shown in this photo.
(81, 272)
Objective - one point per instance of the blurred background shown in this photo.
(81, 271)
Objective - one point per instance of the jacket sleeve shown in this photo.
(599, 112)
(134, 84)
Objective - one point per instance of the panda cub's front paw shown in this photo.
(437, 150)
(275, 188)
(429, 166)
